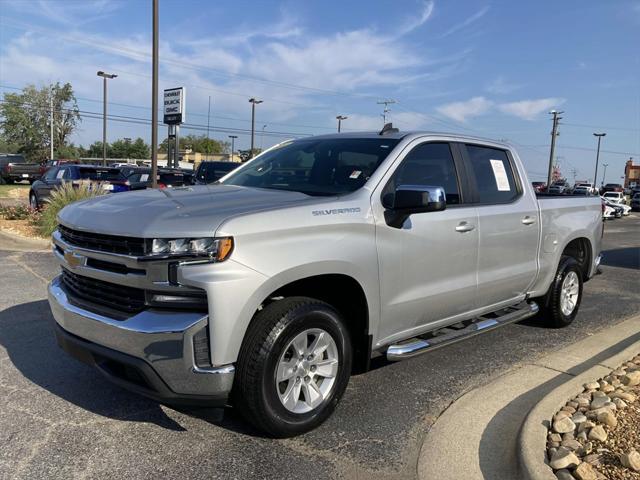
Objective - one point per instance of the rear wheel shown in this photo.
(33, 201)
(562, 301)
(294, 366)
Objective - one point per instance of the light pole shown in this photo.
(604, 174)
(262, 137)
(595, 175)
(105, 76)
(340, 118)
(154, 96)
(233, 138)
(253, 102)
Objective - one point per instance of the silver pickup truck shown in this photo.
(268, 290)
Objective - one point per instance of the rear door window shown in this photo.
(493, 174)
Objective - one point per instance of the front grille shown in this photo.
(103, 243)
(97, 292)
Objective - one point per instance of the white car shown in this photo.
(620, 207)
(608, 213)
(615, 197)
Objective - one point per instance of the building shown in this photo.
(631, 174)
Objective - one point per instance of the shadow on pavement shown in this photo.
(622, 257)
(516, 411)
(27, 334)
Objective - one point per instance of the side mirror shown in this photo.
(410, 199)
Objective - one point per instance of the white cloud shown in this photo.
(411, 24)
(461, 111)
(529, 109)
(465, 23)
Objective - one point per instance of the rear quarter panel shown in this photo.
(563, 219)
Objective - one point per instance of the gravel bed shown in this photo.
(596, 435)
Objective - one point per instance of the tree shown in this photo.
(25, 119)
(70, 152)
(199, 144)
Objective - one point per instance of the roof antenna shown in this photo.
(388, 128)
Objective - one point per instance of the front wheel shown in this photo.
(294, 366)
(562, 301)
(33, 201)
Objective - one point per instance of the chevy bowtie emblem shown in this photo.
(73, 259)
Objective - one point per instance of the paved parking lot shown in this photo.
(60, 418)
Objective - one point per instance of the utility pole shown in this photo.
(386, 110)
(105, 76)
(595, 175)
(554, 134)
(232, 137)
(604, 174)
(253, 101)
(340, 118)
(154, 99)
(208, 116)
(51, 121)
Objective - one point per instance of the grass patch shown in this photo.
(14, 191)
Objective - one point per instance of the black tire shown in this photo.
(33, 201)
(551, 310)
(271, 331)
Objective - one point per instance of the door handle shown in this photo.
(528, 220)
(464, 227)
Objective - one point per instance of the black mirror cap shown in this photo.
(418, 198)
(409, 199)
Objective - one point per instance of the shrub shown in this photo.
(19, 212)
(64, 195)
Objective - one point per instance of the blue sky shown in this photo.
(490, 68)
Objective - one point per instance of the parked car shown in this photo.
(582, 190)
(611, 187)
(167, 178)
(618, 208)
(16, 169)
(110, 179)
(621, 208)
(539, 187)
(558, 187)
(128, 169)
(307, 261)
(608, 212)
(6, 159)
(635, 202)
(615, 197)
(211, 172)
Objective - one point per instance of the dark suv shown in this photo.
(210, 172)
(110, 178)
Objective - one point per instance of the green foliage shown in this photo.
(199, 144)
(122, 148)
(70, 152)
(25, 119)
(64, 195)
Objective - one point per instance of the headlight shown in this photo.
(217, 249)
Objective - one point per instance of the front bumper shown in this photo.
(150, 353)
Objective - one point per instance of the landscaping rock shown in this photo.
(631, 379)
(585, 472)
(571, 444)
(631, 460)
(564, 458)
(593, 459)
(564, 475)
(599, 402)
(564, 425)
(608, 419)
(597, 433)
(578, 418)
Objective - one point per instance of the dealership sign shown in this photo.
(174, 103)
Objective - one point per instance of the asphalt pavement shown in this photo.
(60, 418)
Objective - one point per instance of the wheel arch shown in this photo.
(581, 249)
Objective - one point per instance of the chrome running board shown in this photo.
(449, 335)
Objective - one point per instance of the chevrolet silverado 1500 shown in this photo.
(268, 290)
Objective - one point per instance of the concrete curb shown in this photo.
(12, 241)
(532, 440)
(498, 430)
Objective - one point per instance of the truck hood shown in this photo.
(193, 211)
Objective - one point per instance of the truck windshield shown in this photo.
(328, 167)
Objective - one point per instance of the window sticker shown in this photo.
(144, 177)
(355, 174)
(60, 174)
(500, 174)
